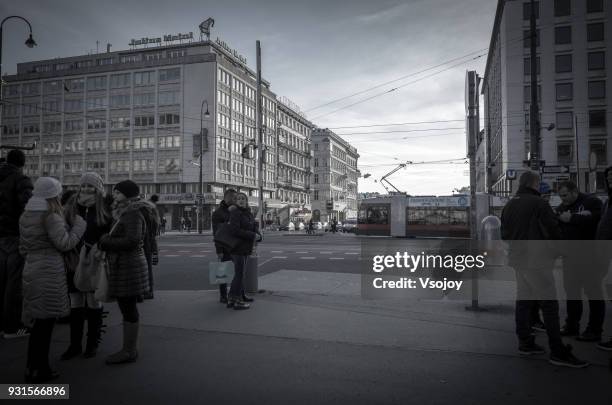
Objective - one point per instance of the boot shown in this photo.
(129, 353)
(77, 321)
(94, 329)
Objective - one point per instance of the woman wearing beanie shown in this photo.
(128, 277)
(45, 235)
(243, 225)
(91, 204)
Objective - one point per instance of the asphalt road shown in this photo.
(184, 258)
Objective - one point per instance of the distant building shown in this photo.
(136, 114)
(335, 176)
(573, 47)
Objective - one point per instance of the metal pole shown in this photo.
(534, 125)
(577, 154)
(260, 140)
(201, 186)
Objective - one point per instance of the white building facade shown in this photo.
(135, 113)
(573, 64)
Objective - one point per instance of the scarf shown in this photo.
(86, 200)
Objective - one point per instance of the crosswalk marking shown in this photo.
(171, 255)
(302, 252)
(197, 256)
(184, 251)
(307, 258)
(279, 257)
(351, 253)
(336, 258)
(326, 253)
(276, 251)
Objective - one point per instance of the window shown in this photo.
(595, 32)
(563, 8)
(169, 119)
(73, 125)
(563, 63)
(153, 56)
(316, 179)
(144, 121)
(120, 122)
(120, 100)
(74, 85)
(51, 87)
(169, 74)
(96, 103)
(73, 105)
(564, 91)
(597, 119)
(31, 89)
(177, 53)
(597, 60)
(52, 126)
(597, 89)
(527, 94)
(169, 97)
(104, 61)
(527, 10)
(130, 58)
(122, 80)
(316, 163)
(96, 83)
(527, 38)
(563, 35)
(565, 152)
(316, 195)
(83, 64)
(595, 6)
(565, 120)
(598, 147)
(144, 78)
(144, 99)
(526, 68)
(96, 123)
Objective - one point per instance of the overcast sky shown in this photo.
(313, 52)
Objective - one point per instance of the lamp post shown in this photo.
(30, 43)
(201, 186)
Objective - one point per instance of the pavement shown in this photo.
(310, 338)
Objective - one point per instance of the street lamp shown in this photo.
(201, 187)
(30, 43)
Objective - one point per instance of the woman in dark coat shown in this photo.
(604, 232)
(90, 203)
(128, 278)
(242, 225)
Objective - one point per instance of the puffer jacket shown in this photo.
(243, 225)
(128, 274)
(43, 238)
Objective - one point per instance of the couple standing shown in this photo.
(234, 209)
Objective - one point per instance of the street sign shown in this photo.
(329, 206)
(555, 169)
(511, 174)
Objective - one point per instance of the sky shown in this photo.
(315, 53)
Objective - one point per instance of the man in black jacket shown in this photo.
(15, 191)
(527, 222)
(220, 216)
(579, 216)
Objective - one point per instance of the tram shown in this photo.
(423, 216)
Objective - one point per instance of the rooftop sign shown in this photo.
(231, 51)
(158, 40)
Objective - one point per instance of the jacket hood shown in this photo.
(7, 169)
(527, 190)
(137, 205)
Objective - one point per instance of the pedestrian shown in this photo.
(162, 225)
(128, 278)
(579, 215)
(45, 235)
(182, 224)
(153, 200)
(310, 227)
(242, 225)
(92, 204)
(604, 233)
(220, 216)
(15, 191)
(527, 221)
(188, 224)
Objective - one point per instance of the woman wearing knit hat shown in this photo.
(44, 236)
(128, 278)
(91, 204)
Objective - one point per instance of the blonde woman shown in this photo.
(44, 236)
(91, 203)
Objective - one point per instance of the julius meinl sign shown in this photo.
(158, 40)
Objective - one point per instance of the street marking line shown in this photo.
(351, 253)
(336, 258)
(276, 251)
(206, 251)
(261, 264)
(171, 255)
(163, 250)
(326, 253)
(197, 256)
(279, 257)
(184, 251)
(301, 253)
(308, 258)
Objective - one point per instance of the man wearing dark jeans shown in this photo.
(15, 191)
(527, 223)
(579, 216)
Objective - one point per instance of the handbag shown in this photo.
(220, 272)
(102, 291)
(225, 237)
